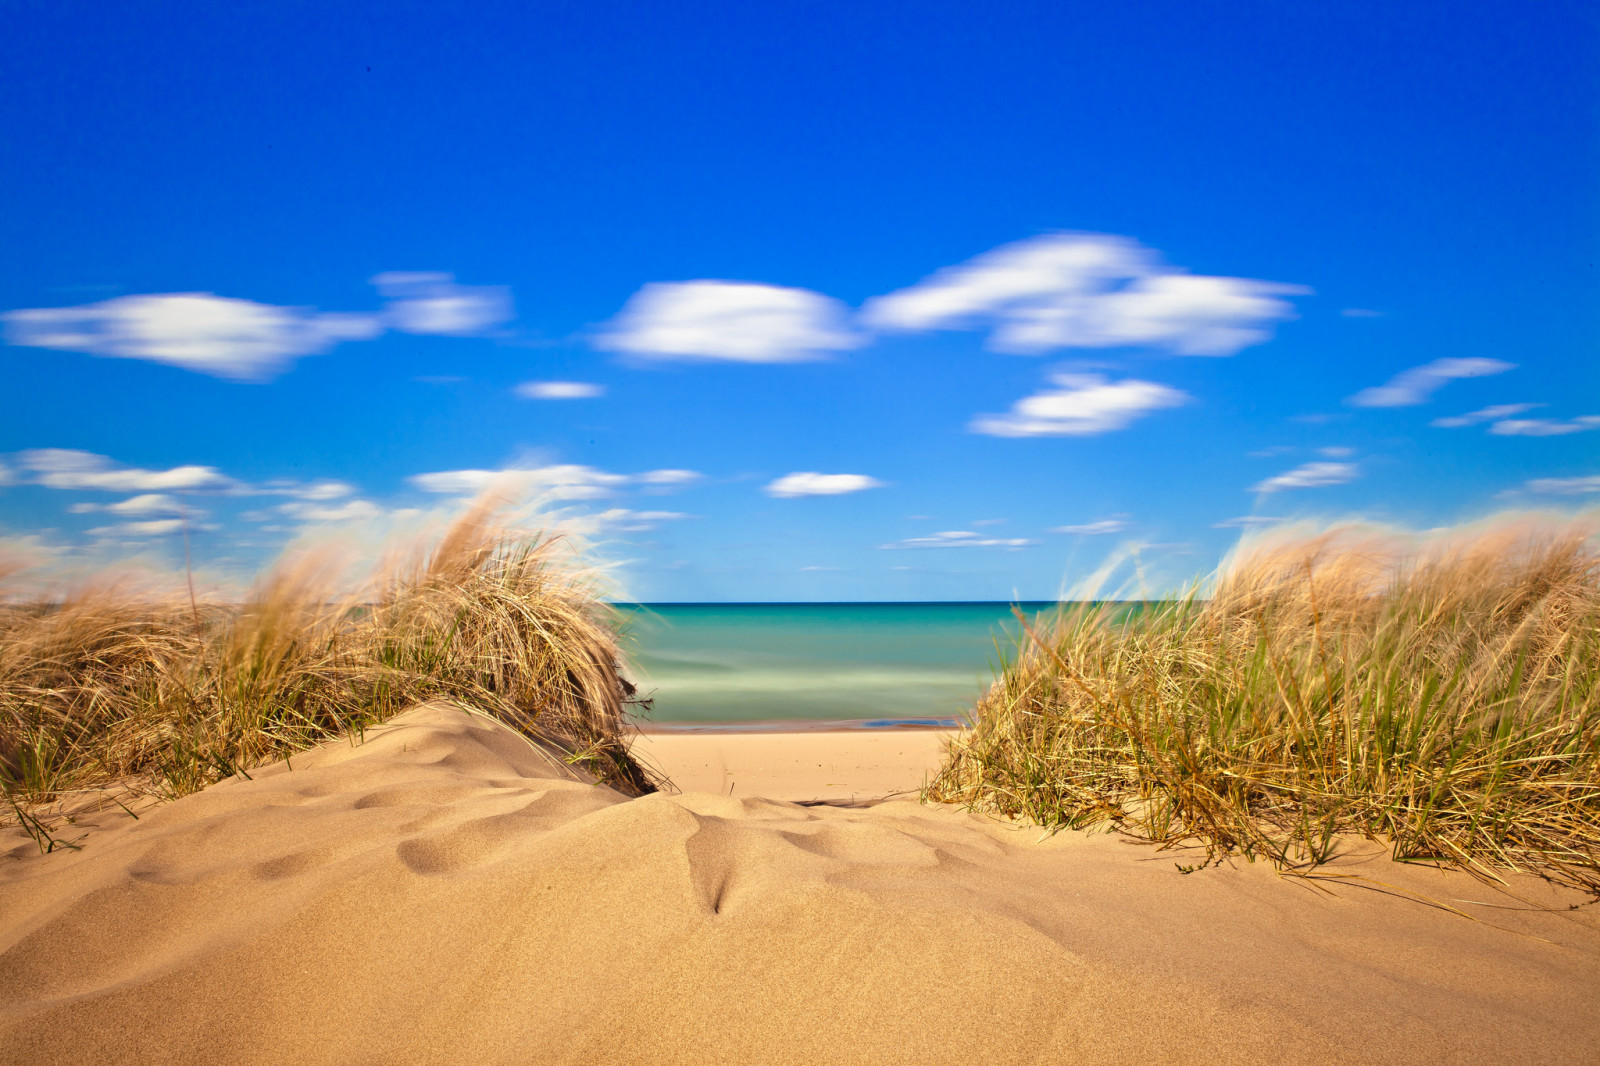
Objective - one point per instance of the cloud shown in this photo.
(810, 483)
(428, 302)
(959, 538)
(349, 511)
(1417, 385)
(1248, 521)
(559, 390)
(623, 520)
(1086, 290)
(1544, 427)
(217, 335)
(1084, 405)
(565, 481)
(668, 479)
(65, 468)
(1564, 486)
(1360, 312)
(1309, 476)
(1486, 414)
(146, 504)
(1091, 529)
(1337, 451)
(728, 320)
(156, 527)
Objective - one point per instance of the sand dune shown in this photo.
(445, 892)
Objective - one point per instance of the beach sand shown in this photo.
(446, 892)
(831, 766)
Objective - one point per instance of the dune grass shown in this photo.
(112, 688)
(1437, 694)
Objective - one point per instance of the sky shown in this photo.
(795, 301)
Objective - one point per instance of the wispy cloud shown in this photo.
(155, 527)
(1360, 312)
(1309, 476)
(1544, 427)
(1417, 385)
(217, 335)
(1087, 290)
(1248, 521)
(811, 483)
(1082, 405)
(149, 503)
(243, 340)
(348, 511)
(562, 481)
(1094, 529)
(623, 520)
(1564, 486)
(559, 390)
(1485, 414)
(65, 468)
(960, 538)
(431, 302)
(733, 321)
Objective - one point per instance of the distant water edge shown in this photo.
(818, 665)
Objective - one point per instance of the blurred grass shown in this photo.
(1435, 693)
(108, 687)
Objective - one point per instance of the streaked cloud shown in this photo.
(431, 302)
(149, 503)
(218, 335)
(1082, 405)
(1087, 290)
(1544, 427)
(562, 481)
(1248, 521)
(1417, 385)
(65, 468)
(1360, 312)
(1094, 529)
(732, 321)
(1564, 486)
(559, 390)
(624, 520)
(959, 538)
(155, 527)
(348, 511)
(1486, 414)
(811, 483)
(1309, 476)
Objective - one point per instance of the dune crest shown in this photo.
(446, 891)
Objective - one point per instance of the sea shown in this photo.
(797, 665)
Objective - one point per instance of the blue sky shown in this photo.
(796, 301)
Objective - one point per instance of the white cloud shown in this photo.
(156, 527)
(1417, 385)
(559, 390)
(1087, 290)
(1564, 486)
(1544, 427)
(348, 511)
(65, 468)
(1248, 521)
(810, 483)
(626, 521)
(145, 504)
(1360, 312)
(1083, 405)
(959, 538)
(427, 302)
(1486, 414)
(662, 480)
(728, 320)
(1091, 529)
(1337, 451)
(199, 331)
(1309, 476)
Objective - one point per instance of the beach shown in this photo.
(447, 891)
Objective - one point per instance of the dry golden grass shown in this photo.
(110, 687)
(1437, 693)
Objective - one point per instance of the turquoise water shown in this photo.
(878, 662)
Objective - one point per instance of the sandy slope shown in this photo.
(446, 893)
(827, 765)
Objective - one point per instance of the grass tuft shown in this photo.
(110, 687)
(1437, 693)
